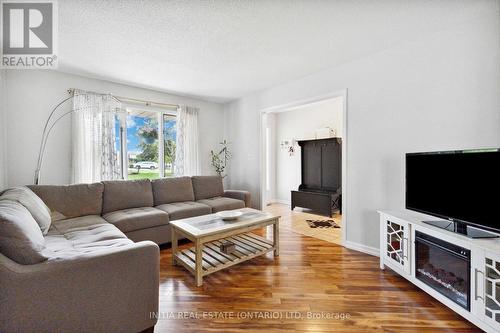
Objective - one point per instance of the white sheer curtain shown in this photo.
(187, 161)
(95, 156)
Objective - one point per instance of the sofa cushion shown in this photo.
(33, 203)
(81, 235)
(137, 218)
(168, 190)
(220, 203)
(69, 201)
(207, 187)
(124, 194)
(182, 210)
(20, 236)
(239, 195)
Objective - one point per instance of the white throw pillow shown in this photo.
(20, 236)
(35, 205)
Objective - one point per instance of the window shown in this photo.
(139, 135)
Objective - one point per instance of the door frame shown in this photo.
(298, 103)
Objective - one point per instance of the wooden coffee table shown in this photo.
(208, 231)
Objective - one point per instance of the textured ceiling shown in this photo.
(222, 50)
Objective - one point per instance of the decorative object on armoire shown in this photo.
(320, 188)
(325, 133)
(322, 224)
(221, 158)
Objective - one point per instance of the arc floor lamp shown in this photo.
(54, 118)
(51, 122)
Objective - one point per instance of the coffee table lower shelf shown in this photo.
(248, 246)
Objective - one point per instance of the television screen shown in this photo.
(461, 185)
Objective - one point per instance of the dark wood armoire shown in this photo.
(320, 188)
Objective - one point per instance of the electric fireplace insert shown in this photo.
(443, 266)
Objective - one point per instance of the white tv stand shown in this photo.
(397, 252)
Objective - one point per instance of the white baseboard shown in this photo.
(362, 248)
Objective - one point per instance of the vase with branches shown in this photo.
(221, 159)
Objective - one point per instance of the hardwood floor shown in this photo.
(296, 221)
(311, 277)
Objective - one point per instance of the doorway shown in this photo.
(324, 117)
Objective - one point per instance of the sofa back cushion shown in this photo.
(37, 208)
(69, 201)
(123, 194)
(207, 187)
(168, 190)
(20, 236)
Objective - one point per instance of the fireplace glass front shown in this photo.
(443, 266)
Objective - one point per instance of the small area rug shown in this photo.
(322, 224)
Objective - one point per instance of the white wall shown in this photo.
(30, 96)
(438, 92)
(3, 146)
(301, 124)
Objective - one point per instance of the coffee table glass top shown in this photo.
(209, 224)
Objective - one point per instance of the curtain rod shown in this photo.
(71, 91)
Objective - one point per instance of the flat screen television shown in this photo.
(461, 187)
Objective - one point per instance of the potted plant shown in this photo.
(221, 158)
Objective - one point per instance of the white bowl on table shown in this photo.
(229, 215)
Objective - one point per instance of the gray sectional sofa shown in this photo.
(142, 209)
(83, 258)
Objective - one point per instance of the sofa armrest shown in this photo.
(109, 291)
(240, 195)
